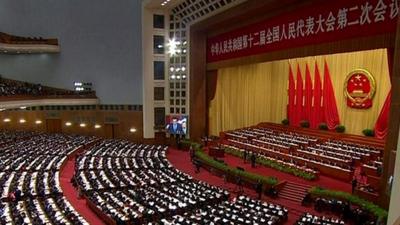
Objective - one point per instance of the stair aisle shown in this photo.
(294, 192)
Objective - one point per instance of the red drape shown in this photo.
(317, 111)
(291, 94)
(299, 97)
(308, 95)
(381, 125)
(329, 101)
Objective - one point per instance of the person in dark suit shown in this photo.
(259, 188)
(245, 156)
(253, 160)
(174, 127)
(353, 185)
(176, 130)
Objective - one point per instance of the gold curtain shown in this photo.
(249, 94)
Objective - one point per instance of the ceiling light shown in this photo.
(132, 130)
(22, 107)
(22, 121)
(171, 69)
(178, 77)
(172, 47)
(97, 126)
(38, 121)
(7, 120)
(183, 68)
(68, 124)
(82, 125)
(173, 76)
(183, 76)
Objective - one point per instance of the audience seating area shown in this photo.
(130, 183)
(29, 178)
(344, 210)
(127, 183)
(308, 219)
(334, 158)
(242, 210)
(7, 136)
(14, 88)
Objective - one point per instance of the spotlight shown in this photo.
(38, 122)
(68, 124)
(132, 130)
(82, 125)
(97, 126)
(7, 120)
(22, 121)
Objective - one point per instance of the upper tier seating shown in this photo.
(12, 88)
(133, 183)
(29, 178)
(12, 39)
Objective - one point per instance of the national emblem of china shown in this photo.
(359, 89)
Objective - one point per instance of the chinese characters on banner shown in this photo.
(312, 25)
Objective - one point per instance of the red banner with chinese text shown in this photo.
(329, 21)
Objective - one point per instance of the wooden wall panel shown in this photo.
(126, 120)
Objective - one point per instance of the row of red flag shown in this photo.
(315, 104)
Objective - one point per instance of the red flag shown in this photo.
(317, 116)
(329, 104)
(299, 97)
(308, 96)
(381, 125)
(291, 94)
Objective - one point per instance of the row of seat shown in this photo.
(133, 183)
(52, 210)
(309, 219)
(15, 185)
(8, 136)
(40, 152)
(290, 163)
(304, 150)
(29, 179)
(242, 210)
(10, 88)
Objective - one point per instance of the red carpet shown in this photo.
(181, 161)
(72, 195)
